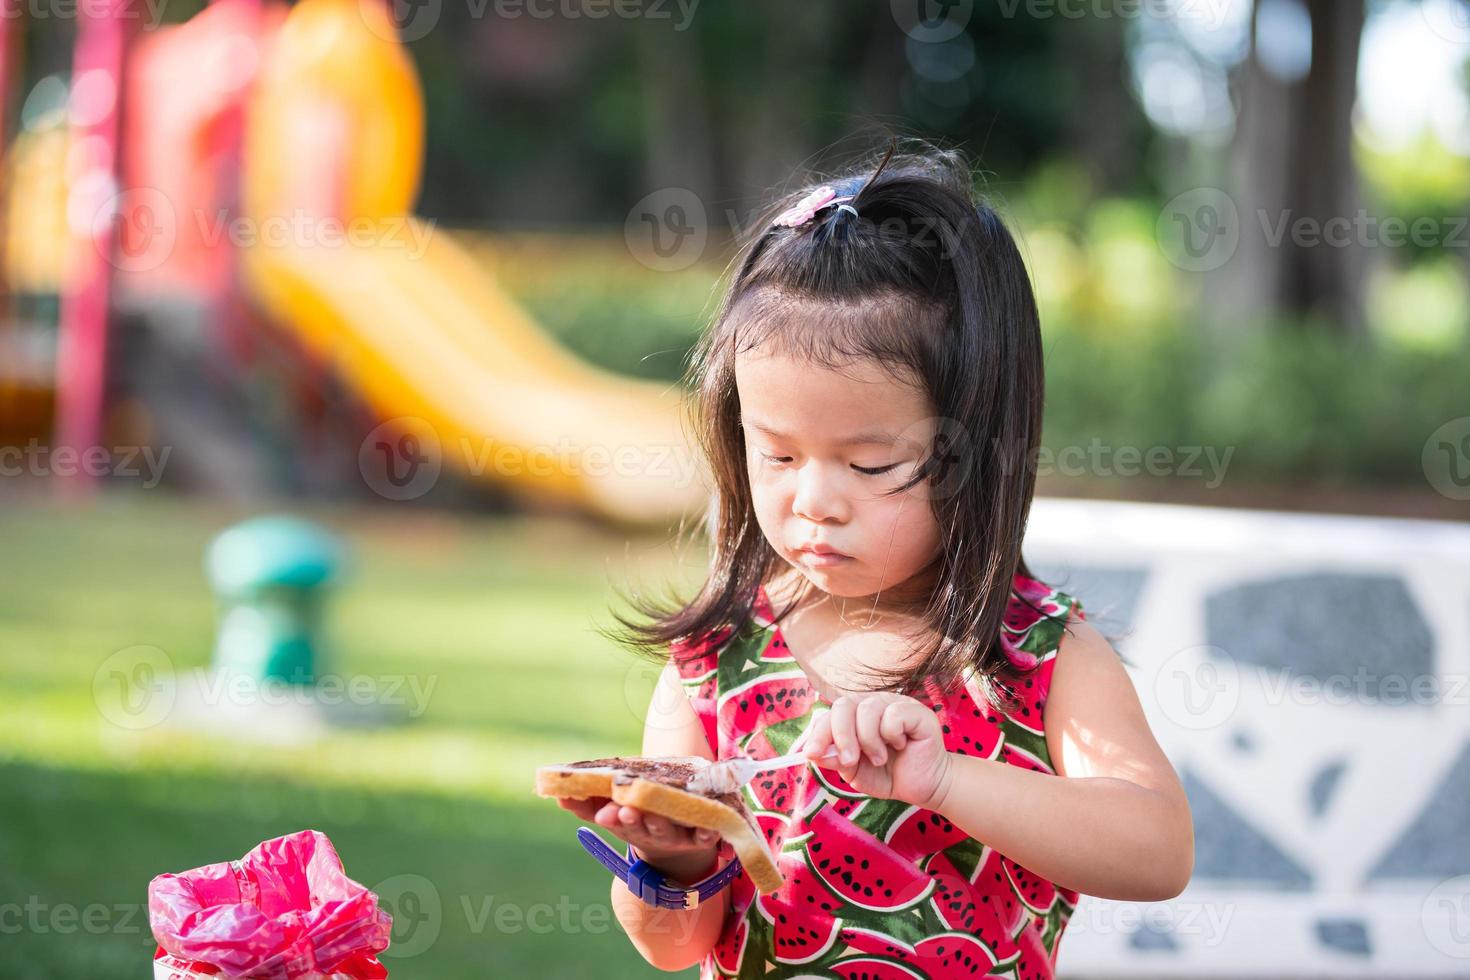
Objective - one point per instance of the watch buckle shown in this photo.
(691, 898)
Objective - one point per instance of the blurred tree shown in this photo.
(1295, 183)
(560, 120)
(1108, 135)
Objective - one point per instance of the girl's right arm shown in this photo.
(669, 939)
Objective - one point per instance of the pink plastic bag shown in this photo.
(286, 911)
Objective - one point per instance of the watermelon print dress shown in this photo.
(876, 888)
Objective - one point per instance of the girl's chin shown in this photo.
(836, 580)
(841, 582)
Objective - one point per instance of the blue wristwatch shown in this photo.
(647, 883)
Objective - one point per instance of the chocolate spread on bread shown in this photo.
(666, 771)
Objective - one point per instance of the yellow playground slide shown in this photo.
(430, 339)
(405, 314)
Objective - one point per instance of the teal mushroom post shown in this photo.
(271, 576)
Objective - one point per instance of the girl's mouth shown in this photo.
(822, 559)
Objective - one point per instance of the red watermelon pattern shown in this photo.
(875, 887)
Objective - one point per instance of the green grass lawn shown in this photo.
(436, 813)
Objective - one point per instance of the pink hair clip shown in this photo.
(805, 209)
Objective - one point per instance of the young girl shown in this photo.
(869, 399)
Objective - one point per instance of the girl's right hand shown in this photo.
(676, 849)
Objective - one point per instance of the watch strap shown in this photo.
(648, 883)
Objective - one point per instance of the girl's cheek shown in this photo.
(912, 517)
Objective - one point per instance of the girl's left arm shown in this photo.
(1118, 824)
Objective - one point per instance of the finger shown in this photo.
(631, 818)
(663, 830)
(819, 736)
(869, 714)
(897, 722)
(844, 732)
(584, 808)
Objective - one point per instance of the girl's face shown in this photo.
(821, 446)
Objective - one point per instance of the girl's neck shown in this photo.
(838, 641)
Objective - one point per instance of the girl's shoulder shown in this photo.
(1036, 618)
(698, 662)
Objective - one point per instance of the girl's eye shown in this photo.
(865, 470)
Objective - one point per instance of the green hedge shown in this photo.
(1294, 402)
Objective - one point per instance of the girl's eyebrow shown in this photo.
(870, 438)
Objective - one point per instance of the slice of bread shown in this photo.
(658, 784)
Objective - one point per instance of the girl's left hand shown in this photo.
(890, 746)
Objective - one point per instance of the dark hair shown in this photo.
(930, 285)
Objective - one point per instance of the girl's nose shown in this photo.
(817, 498)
